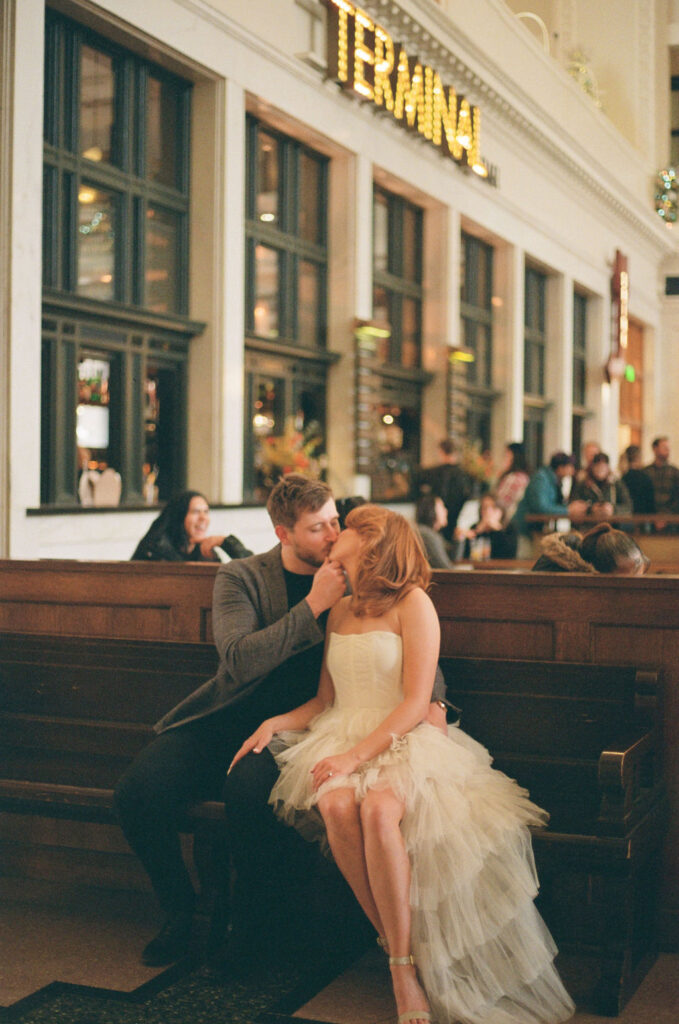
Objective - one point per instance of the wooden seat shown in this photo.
(584, 740)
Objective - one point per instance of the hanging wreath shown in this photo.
(666, 195)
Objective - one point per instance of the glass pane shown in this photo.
(411, 244)
(162, 260)
(162, 433)
(310, 198)
(267, 178)
(382, 315)
(397, 452)
(162, 131)
(267, 275)
(97, 95)
(380, 231)
(308, 303)
(410, 333)
(96, 243)
(92, 425)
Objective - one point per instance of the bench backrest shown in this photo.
(75, 710)
(547, 723)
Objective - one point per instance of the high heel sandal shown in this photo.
(408, 1015)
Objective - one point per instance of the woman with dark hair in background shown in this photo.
(179, 534)
(602, 549)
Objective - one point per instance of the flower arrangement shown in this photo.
(294, 451)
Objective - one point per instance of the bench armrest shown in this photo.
(629, 781)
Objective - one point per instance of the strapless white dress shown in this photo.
(483, 952)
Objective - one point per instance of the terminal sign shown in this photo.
(365, 60)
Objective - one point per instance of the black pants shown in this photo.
(188, 764)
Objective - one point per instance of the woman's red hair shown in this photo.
(392, 560)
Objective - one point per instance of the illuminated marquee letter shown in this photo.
(364, 55)
(384, 66)
(362, 58)
(340, 39)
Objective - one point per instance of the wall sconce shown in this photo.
(460, 354)
(365, 329)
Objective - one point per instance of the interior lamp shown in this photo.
(371, 329)
(460, 354)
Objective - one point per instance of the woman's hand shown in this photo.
(255, 743)
(337, 764)
(208, 544)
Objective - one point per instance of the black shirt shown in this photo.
(295, 680)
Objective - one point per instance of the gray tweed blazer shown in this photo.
(254, 632)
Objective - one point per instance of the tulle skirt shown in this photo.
(484, 954)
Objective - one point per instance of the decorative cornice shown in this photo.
(474, 74)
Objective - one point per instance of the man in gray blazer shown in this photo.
(269, 615)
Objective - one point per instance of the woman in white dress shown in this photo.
(433, 841)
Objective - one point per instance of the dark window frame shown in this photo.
(294, 365)
(475, 379)
(394, 280)
(285, 238)
(121, 330)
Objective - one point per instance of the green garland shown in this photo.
(666, 195)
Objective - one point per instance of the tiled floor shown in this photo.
(90, 941)
(362, 996)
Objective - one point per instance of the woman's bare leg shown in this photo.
(342, 822)
(389, 877)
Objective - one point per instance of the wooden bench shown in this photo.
(584, 740)
(74, 712)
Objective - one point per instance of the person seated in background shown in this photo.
(345, 505)
(637, 481)
(588, 451)
(431, 516)
(605, 496)
(543, 496)
(489, 534)
(664, 477)
(180, 534)
(601, 550)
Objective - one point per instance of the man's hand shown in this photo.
(328, 586)
(577, 510)
(602, 510)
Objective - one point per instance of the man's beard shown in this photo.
(310, 557)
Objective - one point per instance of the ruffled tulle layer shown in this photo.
(483, 951)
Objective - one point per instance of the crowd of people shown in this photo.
(507, 514)
(517, 505)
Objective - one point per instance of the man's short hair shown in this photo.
(293, 495)
(657, 440)
(560, 459)
(448, 447)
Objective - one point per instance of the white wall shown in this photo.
(571, 191)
